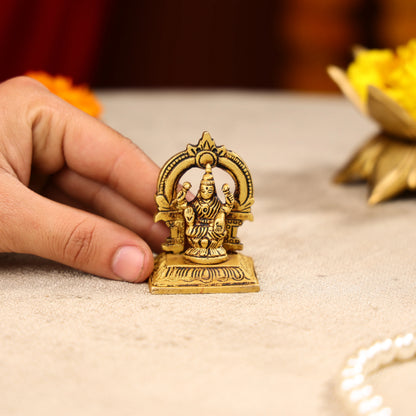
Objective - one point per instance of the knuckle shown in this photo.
(97, 197)
(22, 86)
(22, 81)
(113, 177)
(29, 99)
(79, 245)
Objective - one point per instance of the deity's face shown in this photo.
(206, 191)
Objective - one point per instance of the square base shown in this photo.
(173, 275)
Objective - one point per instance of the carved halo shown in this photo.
(206, 151)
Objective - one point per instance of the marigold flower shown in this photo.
(393, 72)
(79, 96)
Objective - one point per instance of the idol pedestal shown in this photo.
(172, 274)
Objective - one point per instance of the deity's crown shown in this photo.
(208, 179)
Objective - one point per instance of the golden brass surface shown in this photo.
(200, 252)
(388, 165)
(174, 275)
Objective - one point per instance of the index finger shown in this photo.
(64, 135)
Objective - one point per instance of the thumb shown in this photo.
(33, 224)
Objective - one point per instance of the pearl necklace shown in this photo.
(356, 393)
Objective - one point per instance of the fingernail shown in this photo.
(128, 263)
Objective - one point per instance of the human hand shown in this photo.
(72, 189)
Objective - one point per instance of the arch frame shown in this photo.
(199, 155)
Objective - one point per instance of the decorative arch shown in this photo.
(206, 151)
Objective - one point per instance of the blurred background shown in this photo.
(255, 44)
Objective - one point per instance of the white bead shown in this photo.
(387, 352)
(372, 365)
(351, 383)
(406, 346)
(362, 358)
(363, 354)
(354, 361)
(398, 341)
(348, 372)
(373, 358)
(374, 350)
(385, 411)
(360, 393)
(370, 405)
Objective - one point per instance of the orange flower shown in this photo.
(79, 96)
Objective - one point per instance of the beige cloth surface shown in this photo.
(335, 275)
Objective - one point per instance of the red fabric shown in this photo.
(57, 36)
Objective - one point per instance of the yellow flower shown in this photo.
(79, 96)
(371, 67)
(393, 72)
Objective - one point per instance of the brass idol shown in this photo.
(200, 255)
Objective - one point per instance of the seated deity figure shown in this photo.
(205, 227)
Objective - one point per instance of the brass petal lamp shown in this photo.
(388, 160)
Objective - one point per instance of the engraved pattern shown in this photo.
(166, 275)
(205, 274)
(243, 205)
